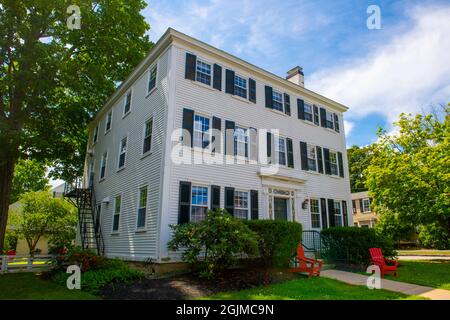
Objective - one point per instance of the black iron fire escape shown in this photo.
(88, 214)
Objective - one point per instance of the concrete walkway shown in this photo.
(396, 286)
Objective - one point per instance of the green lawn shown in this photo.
(423, 252)
(317, 288)
(28, 286)
(434, 273)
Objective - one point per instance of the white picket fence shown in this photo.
(26, 263)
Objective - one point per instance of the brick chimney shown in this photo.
(295, 75)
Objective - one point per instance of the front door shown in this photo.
(281, 208)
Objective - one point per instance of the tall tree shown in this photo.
(358, 161)
(54, 78)
(410, 171)
(29, 175)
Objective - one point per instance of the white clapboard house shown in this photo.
(280, 151)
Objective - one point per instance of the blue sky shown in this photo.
(403, 67)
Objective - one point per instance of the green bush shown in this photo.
(278, 240)
(214, 243)
(434, 236)
(111, 272)
(352, 244)
(85, 259)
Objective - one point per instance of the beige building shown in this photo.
(363, 216)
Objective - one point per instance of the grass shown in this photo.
(433, 273)
(423, 252)
(316, 288)
(29, 286)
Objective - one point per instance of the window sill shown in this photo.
(140, 230)
(309, 123)
(121, 169)
(278, 112)
(334, 176)
(106, 132)
(115, 233)
(145, 155)
(150, 92)
(126, 114)
(331, 130)
(203, 85)
(240, 98)
(101, 180)
(313, 172)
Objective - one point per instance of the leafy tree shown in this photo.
(29, 175)
(410, 171)
(391, 226)
(42, 215)
(54, 79)
(358, 161)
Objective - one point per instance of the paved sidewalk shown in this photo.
(417, 257)
(396, 286)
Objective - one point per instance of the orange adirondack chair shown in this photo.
(311, 266)
(379, 260)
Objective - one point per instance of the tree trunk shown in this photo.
(6, 177)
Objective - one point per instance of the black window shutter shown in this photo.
(331, 212)
(290, 153)
(287, 104)
(326, 155)
(269, 97)
(323, 207)
(254, 204)
(303, 156)
(336, 122)
(269, 146)
(229, 137)
(184, 205)
(252, 90)
(340, 164)
(319, 159)
(229, 200)
(301, 109)
(344, 212)
(215, 197)
(217, 81)
(188, 127)
(229, 81)
(191, 61)
(316, 115)
(253, 144)
(361, 205)
(216, 138)
(323, 117)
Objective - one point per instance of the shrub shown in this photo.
(434, 236)
(214, 243)
(278, 240)
(352, 244)
(85, 259)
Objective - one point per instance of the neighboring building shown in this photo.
(186, 84)
(363, 216)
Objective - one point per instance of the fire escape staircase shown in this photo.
(88, 215)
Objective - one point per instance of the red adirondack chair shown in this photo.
(311, 266)
(379, 260)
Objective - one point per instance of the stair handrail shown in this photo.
(96, 219)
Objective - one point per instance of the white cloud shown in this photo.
(348, 126)
(407, 74)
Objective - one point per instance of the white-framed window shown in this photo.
(142, 208)
(280, 150)
(148, 130)
(314, 206)
(152, 78)
(108, 121)
(103, 165)
(122, 152)
(366, 205)
(330, 120)
(333, 163)
(308, 112)
(240, 86)
(199, 203)
(337, 214)
(241, 204)
(127, 103)
(277, 100)
(241, 142)
(201, 137)
(203, 72)
(312, 157)
(95, 137)
(116, 216)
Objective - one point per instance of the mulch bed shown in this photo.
(189, 286)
